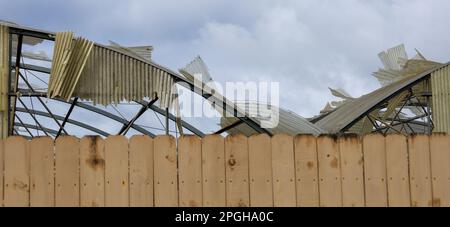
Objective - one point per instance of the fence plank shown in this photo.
(260, 171)
(92, 172)
(213, 156)
(42, 178)
(165, 167)
(397, 171)
(236, 150)
(283, 165)
(116, 172)
(2, 155)
(352, 171)
(16, 172)
(306, 171)
(420, 171)
(329, 172)
(141, 171)
(375, 170)
(190, 171)
(440, 159)
(67, 176)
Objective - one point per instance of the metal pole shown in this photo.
(42, 102)
(32, 116)
(126, 127)
(16, 81)
(67, 117)
(167, 121)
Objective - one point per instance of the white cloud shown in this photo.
(306, 45)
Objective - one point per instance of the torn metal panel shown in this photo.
(289, 122)
(197, 67)
(4, 75)
(70, 59)
(104, 75)
(393, 57)
(353, 111)
(143, 51)
(440, 83)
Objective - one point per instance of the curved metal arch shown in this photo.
(186, 125)
(173, 118)
(90, 108)
(225, 105)
(43, 129)
(73, 122)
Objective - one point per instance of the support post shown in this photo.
(16, 83)
(67, 117)
(126, 127)
(167, 121)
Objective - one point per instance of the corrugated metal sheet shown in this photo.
(105, 75)
(143, 51)
(440, 83)
(289, 122)
(355, 109)
(197, 66)
(4, 74)
(394, 57)
(70, 57)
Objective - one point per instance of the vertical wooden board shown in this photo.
(92, 171)
(283, 167)
(440, 169)
(374, 147)
(165, 167)
(67, 175)
(420, 171)
(116, 172)
(42, 178)
(306, 171)
(2, 155)
(236, 153)
(330, 187)
(352, 171)
(16, 173)
(213, 160)
(190, 171)
(397, 171)
(141, 171)
(260, 171)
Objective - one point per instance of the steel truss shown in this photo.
(16, 95)
(397, 123)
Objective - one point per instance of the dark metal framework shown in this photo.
(16, 94)
(416, 124)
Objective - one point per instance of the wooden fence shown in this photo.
(233, 171)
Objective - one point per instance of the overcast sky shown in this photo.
(306, 45)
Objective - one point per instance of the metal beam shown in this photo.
(221, 103)
(42, 102)
(47, 130)
(167, 121)
(173, 118)
(32, 33)
(346, 128)
(26, 93)
(401, 108)
(29, 112)
(16, 79)
(70, 121)
(235, 124)
(126, 127)
(29, 132)
(67, 117)
(34, 68)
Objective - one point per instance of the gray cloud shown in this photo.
(306, 45)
